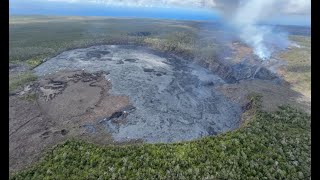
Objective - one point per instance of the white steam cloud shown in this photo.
(247, 14)
(153, 3)
(245, 19)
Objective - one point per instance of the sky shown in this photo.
(289, 12)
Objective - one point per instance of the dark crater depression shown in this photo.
(172, 99)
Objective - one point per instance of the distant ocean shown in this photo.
(73, 9)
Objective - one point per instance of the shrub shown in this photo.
(20, 80)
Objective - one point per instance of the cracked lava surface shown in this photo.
(171, 99)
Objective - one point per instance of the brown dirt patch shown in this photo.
(240, 51)
(62, 103)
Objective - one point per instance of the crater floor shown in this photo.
(173, 100)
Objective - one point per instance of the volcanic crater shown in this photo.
(170, 99)
(123, 94)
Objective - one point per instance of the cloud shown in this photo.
(298, 7)
(284, 6)
(156, 3)
(65, 1)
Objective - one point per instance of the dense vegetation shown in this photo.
(31, 40)
(271, 146)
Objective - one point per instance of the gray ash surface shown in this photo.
(174, 100)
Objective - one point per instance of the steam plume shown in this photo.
(246, 15)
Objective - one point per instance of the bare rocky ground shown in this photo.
(273, 95)
(126, 94)
(16, 68)
(254, 76)
(246, 74)
(56, 108)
